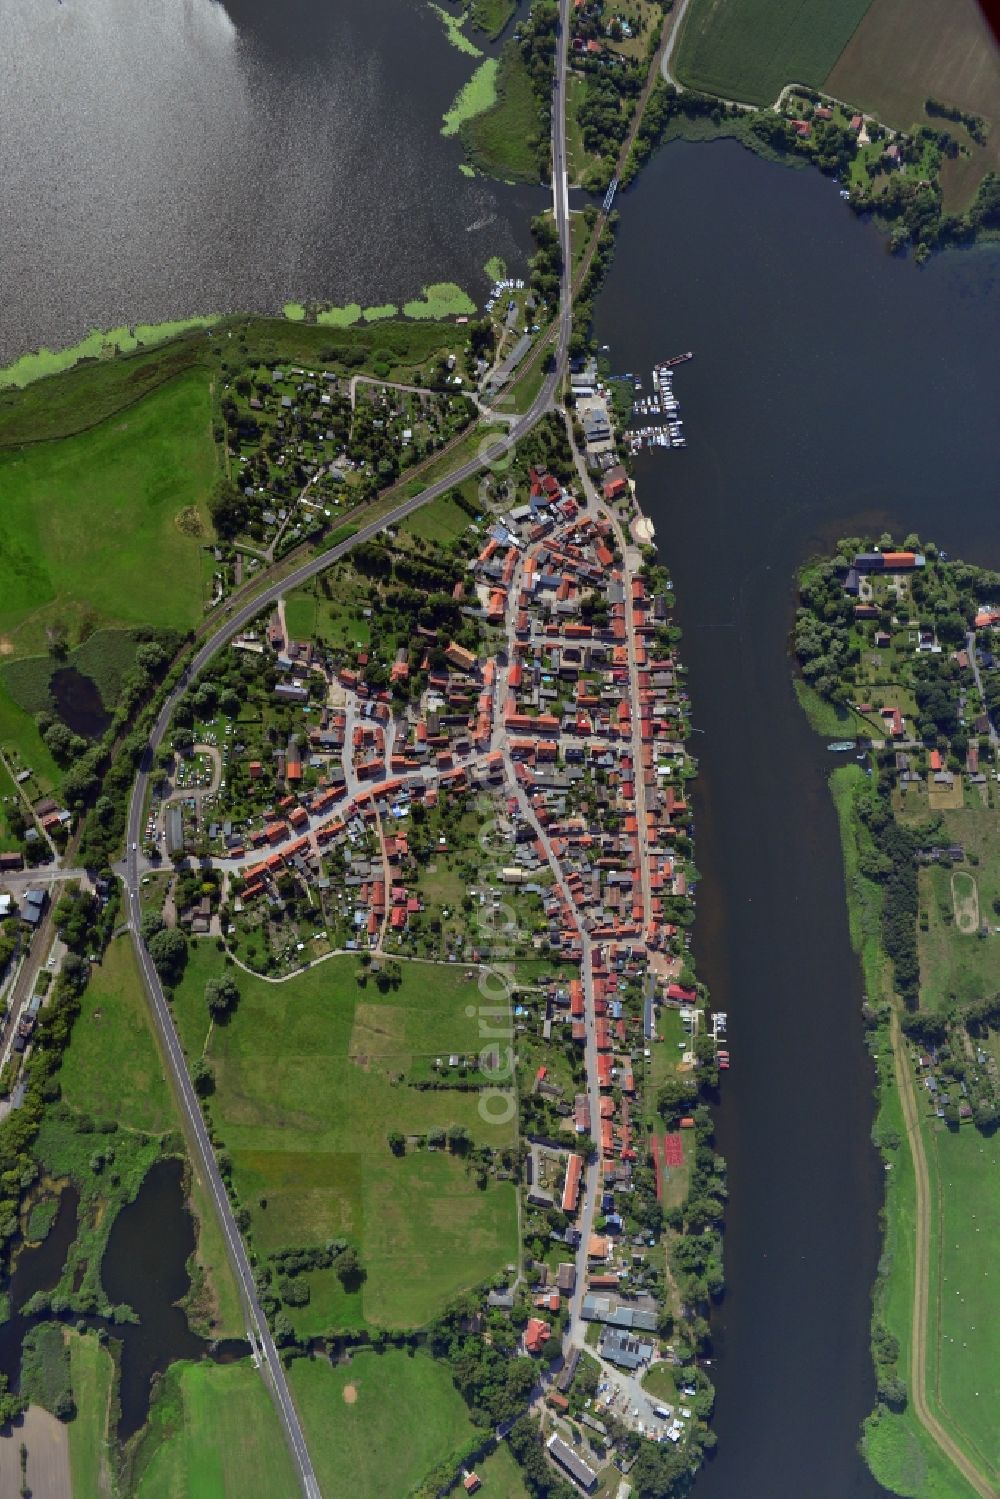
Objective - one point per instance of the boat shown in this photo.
(839, 746)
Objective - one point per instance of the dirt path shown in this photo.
(921, 1271)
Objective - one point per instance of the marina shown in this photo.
(668, 431)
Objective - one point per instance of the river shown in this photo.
(833, 390)
(188, 156)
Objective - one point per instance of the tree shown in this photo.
(676, 1097)
(350, 1271)
(397, 1143)
(151, 923)
(168, 950)
(203, 1078)
(227, 508)
(222, 996)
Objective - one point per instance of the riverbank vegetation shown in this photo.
(907, 640)
(509, 137)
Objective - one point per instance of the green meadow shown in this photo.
(311, 1078)
(89, 529)
(378, 1425)
(963, 1346)
(111, 1069)
(213, 1432)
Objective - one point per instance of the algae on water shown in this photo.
(478, 95)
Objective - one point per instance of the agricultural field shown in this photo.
(378, 1425)
(213, 1432)
(310, 1079)
(91, 529)
(111, 1069)
(748, 51)
(949, 54)
(92, 1373)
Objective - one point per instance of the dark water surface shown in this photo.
(144, 1267)
(79, 702)
(833, 389)
(172, 157)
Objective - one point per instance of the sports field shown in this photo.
(749, 49)
(89, 525)
(378, 1425)
(214, 1433)
(310, 1081)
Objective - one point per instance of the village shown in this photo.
(552, 708)
(320, 797)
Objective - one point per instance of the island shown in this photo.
(899, 649)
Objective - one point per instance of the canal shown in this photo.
(834, 390)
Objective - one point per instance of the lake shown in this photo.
(188, 156)
(834, 390)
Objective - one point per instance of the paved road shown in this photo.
(204, 1158)
(675, 23)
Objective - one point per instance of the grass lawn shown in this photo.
(8, 792)
(442, 520)
(214, 1432)
(502, 140)
(89, 523)
(659, 1382)
(111, 1069)
(378, 1425)
(749, 49)
(309, 1083)
(500, 1475)
(579, 159)
(19, 736)
(92, 1372)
